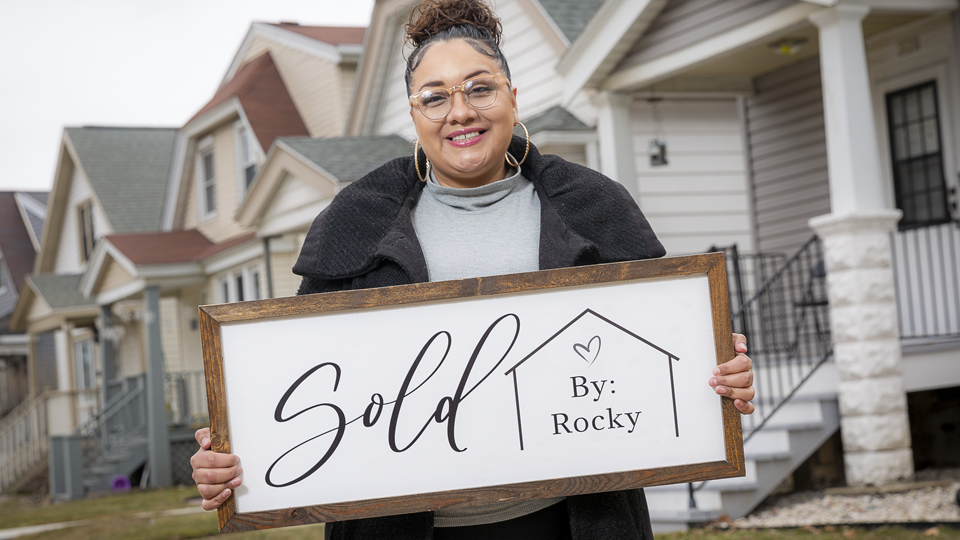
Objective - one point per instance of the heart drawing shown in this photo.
(590, 351)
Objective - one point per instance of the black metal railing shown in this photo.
(926, 271)
(780, 304)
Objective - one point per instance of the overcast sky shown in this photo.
(122, 63)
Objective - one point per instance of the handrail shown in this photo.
(123, 418)
(23, 439)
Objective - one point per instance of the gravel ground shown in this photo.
(926, 505)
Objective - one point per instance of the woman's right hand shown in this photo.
(216, 474)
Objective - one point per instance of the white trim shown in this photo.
(4, 278)
(163, 271)
(27, 205)
(121, 292)
(893, 5)
(208, 121)
(232, 258)
(204, 148)
(229, 278)
(757, 31)
(309, 163)
(553, 24)
(604, 42)
(281, 36)
(295, 220)
(544, 138)
(241, 131)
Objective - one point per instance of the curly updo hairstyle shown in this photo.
(436, 21)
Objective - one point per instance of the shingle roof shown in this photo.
(555, 118)
(349, 158)
(35, 215)
(60, 290)
(15, 243)
(334, 35)
(171, 247)
(128, 169)
(571, 15)
(265, 100)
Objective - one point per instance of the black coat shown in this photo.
(365, 239)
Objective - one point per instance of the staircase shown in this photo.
(23, 444)
(110, 444)
(780, 305)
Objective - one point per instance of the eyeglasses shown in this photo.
(479, 92)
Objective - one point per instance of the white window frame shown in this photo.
(204, 148)
(86, 209)
(85, 372)
(248, 277)
(243, 136)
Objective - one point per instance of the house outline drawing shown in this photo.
(670, 358)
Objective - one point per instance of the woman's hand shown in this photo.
(214, 473)
(734, 379)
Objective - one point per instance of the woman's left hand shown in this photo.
(734, 379)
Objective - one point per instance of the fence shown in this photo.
(926, 269)
(186, 394)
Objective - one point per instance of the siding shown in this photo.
(685, 22)
(170, 341)
(68, 258)
(114, 276)
(532, 65)
(192, 350)
(701, 198)
(788, 156)
(130, 354)
(292, 194)
(223, 225)
(312, 82)
(64, 352)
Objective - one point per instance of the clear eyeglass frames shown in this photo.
(479, 92)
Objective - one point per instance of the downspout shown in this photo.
(269, 264)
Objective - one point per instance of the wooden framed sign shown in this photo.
(461, 393)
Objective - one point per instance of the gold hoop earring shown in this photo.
(527, 151)
(416, 163)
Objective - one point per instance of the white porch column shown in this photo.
(615, 140)
(856, 239)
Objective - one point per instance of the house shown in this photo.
(760, 124)
(21, 226)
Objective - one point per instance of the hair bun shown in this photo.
(431, 17)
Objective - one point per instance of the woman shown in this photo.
(473, 201)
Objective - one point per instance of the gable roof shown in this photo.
(15, 243)
(59, 290)
(128, 168)
(171, 247)
(571, 16)
(349, 158)
(34, 206)
(555, 118)
(334, 35)
(265, 100)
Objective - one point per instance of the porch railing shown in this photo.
(186, 394)
(926, 269)
(780, 304)
(23, 440)
(122, 418)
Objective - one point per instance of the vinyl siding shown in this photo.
(46, 361)
(685, 22)
(114, 276)
(130, 353)
(69, 255)
(170, 340)
(574, 153)
(701, 198)
(292, 194)
(788, 156)
(64, 352)
(222, 225)
(312, 82)
(191, 348)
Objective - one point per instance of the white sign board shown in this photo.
(446, 393)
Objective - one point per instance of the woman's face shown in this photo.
(479, 159)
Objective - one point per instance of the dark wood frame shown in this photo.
(713, 265)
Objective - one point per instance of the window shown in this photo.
(224, 290)
(239, 278)
(205, 178)
(240, 285)
(83, 359)
(918, 179)
(87, 234)
(255, 284)
(246, 159)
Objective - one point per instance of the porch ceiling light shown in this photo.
(787, 46)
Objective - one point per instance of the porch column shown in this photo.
(856, 239)
(615, 140)
(108, 352)
(159, 434)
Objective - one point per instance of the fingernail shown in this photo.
(716, 371)
(713, 382)
(205, 442)
(239, 471)
(226, 493)
(235, 482)
(721, 390)
(236, 460)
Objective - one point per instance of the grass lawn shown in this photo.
(128, 516)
